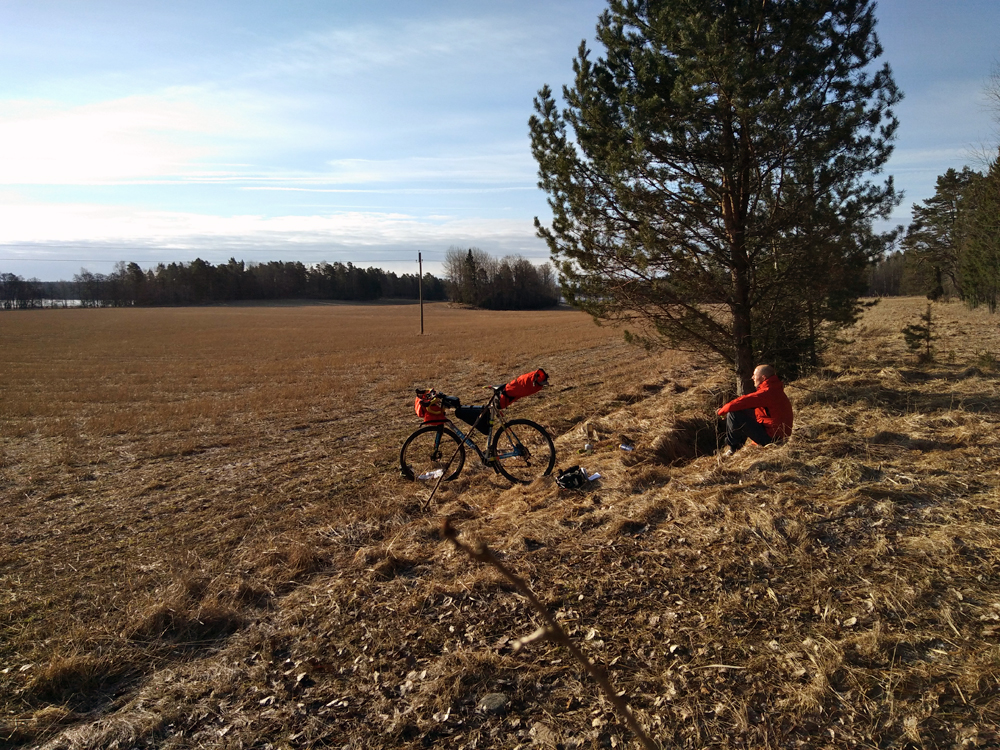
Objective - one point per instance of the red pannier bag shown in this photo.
(428, 407)
(523, 385)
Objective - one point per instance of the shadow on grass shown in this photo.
(899, 401)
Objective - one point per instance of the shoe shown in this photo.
(727, 452)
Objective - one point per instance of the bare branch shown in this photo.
(552, 629)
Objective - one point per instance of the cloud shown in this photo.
(406, 47)
(200, 136)
(172, 133)
(25, 226)
(513, 168)
(358, 101)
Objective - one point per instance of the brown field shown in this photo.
(204, 541)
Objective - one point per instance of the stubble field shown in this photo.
(204, 541)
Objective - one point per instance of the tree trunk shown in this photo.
(742, 338)
(744, 355)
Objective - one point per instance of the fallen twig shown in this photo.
(552, 630)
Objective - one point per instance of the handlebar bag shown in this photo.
(429, 408)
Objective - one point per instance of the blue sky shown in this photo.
(329, 130)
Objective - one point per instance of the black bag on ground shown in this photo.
(469, 415)
(573, 478)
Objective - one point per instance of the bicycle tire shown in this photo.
(523, 451)
(430, 449)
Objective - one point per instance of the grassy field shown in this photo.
(204, 541)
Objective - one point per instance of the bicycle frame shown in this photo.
(497, 422)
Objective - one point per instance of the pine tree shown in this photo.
(935, 238)
(980, 269)
(708, 176)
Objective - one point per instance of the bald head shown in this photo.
(762, 373)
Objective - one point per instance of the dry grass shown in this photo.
(205, 544)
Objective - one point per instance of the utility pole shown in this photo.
(420, 288)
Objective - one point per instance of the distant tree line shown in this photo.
(511, 283)
(199, 282)
(17, 293)
(474, 278)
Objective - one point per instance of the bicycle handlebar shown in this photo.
(453, 402)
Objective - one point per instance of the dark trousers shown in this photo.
(742, 426)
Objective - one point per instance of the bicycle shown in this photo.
(519, 449)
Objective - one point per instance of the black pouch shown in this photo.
(469, 415)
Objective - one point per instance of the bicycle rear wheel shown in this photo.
(431, 450)
(523, 451)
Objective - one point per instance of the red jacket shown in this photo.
(771, 407)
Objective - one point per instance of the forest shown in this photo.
(199, 283)
(510, 283)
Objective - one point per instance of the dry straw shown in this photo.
(204, 527)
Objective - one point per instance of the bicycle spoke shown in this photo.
(523, 451)
(431, 452)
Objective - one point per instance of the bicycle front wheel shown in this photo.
(431, 452)
(523, 451)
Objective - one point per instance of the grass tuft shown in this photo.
(72, 679)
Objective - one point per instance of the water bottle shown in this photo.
(432, 474)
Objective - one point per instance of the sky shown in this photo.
(340, 130)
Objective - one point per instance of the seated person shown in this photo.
(764, 416)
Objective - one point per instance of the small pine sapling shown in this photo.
(919, 337)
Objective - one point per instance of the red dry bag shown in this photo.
(523, 385)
